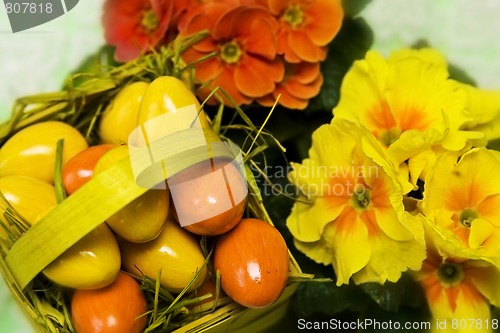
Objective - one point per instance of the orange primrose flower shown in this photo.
(306, 27)
(302, 82)
(185, 9)
(242, 40)
(134, 27)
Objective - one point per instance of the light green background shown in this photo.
(38, 60)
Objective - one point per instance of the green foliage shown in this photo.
(354, 7)
(391, 296)
(328, 299)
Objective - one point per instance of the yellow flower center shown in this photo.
(149, 20)
(230, 52)
(293, 16)
(387, 137)
(450, 274)
(361, 197)
(467, 217)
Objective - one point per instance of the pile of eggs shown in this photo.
(147, 235)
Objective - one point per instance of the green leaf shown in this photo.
(328, 299)
(354, 7)
(353, 41)
(390, 296)
(420, 44)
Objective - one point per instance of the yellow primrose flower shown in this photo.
(458, 291)
(350, 212)
(463, 200)
(408, 102)
(459, 286)
(483, 107)
(426, 54)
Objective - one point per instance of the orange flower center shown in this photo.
(230, 52)
(467, 216)
(450, 274)
(293, 16)
(149, 20)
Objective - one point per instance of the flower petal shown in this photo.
(457, 140)
(469, 304)
(210, 69)
(365, 78)
(351, 246)
(226, 82)
(310, 178)
(419, 102)
(306, 222)
(412, 142)
(426, 54)
(303, 47)
(480, 231)
(390, 258)
(288, 100)
(338, 132)
(491, 130)
(447, 244)
(277, 6)
(483, 106)
(303, 91)
(285, 49)
(203, 18)
(489, 209)
(267, 100)
(325, 19)
(420, 164)
(256, 29)
(252, 70)
(318, 251)
(485, 278)
(388, 221)
(304, 72)
(457, 186)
